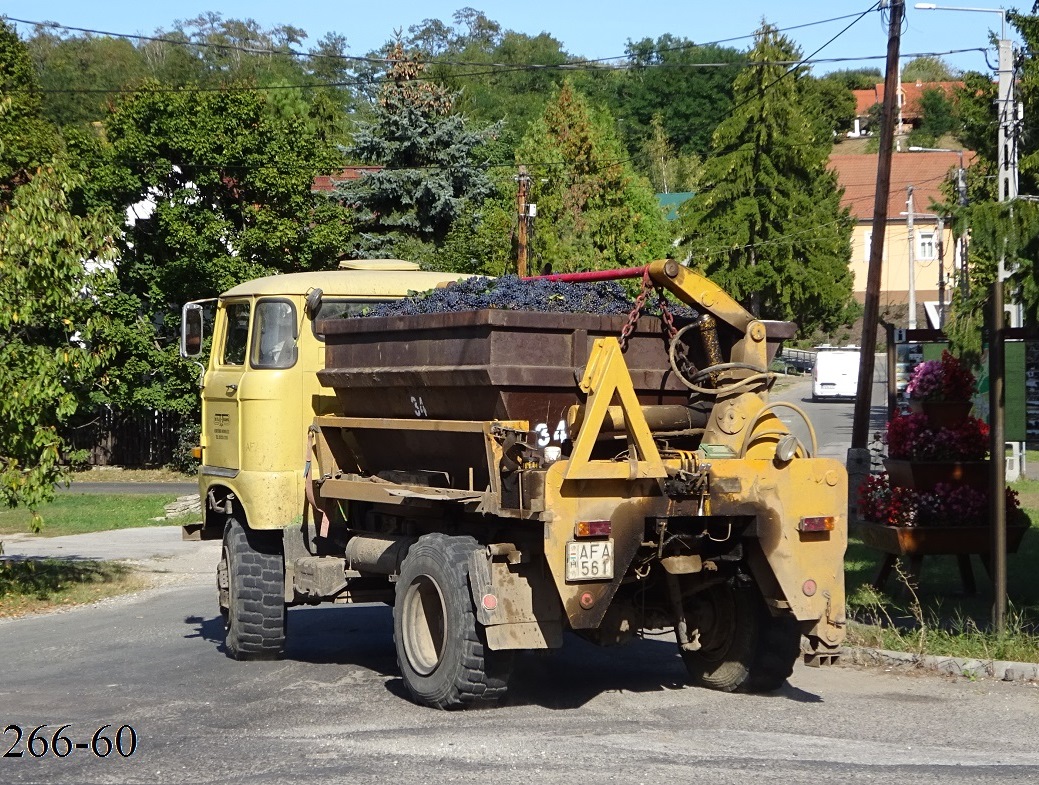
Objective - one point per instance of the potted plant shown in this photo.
(941, 389)
(950, 519)
(921, 454)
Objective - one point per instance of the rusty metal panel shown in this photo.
(486, 364)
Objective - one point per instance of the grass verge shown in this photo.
(36, 585)
(936, 616)
(119, 474)
(83, 513)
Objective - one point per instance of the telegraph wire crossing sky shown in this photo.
(588, 30)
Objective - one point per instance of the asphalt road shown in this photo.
(832, 420)
(335, 709)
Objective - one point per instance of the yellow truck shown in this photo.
(503, 477)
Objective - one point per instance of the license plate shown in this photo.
(589, 560)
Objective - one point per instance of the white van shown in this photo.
(836, 372)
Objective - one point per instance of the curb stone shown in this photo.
(955, 666)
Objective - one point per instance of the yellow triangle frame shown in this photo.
(606, 379)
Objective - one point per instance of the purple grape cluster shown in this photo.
(512, 293)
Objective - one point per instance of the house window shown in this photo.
(867, 243)
(926, 246)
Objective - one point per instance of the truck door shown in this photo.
(220, 401)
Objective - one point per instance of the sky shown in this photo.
(589, 29)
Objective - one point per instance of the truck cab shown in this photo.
(260, 388)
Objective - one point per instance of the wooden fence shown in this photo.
(134, 440)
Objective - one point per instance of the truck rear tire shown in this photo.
(743, 647)
(441, 648)
(254, 618)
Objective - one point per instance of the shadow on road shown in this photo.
(566, 678)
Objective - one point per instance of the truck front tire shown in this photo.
(441, 648)
(253, 567)
(743, 647)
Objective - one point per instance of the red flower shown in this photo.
(947, 505)
(912, 437)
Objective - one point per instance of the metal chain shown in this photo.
(633, 317)
(666, 316)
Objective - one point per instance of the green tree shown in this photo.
(669, 171)
(663, 78)
(829, 102)
(26, 138)
(49, 359)
(768, 225)
(218, 190)
(928, 69)
(1007, 231)
(857, 78)
(48, 355)
(938, 118)
(431, 166)
(75, 72)
(593, 210)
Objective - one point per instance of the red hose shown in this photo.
(593, 275)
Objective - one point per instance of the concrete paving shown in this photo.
(157, 551)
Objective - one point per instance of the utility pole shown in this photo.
(912, 259)
(858, 456)
(941, 272)
(961, 188)
(523, 212)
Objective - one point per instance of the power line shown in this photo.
(383, 61)
(379, 80)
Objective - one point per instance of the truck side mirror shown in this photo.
(313, 303)
(191, 330)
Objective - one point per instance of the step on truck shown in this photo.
(501, 478)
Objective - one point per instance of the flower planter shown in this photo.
(924, 475)
(943, 414)
(936, 540)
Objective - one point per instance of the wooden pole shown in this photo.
(522, 210)
(871, 316)
(997, 448)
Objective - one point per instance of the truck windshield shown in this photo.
(274, 335)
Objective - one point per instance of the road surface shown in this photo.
(334, 710)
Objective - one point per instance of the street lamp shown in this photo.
(1005, 101)
(935, 7)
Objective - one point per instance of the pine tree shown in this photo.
(594, 211)
(767, 224)
(430, 173)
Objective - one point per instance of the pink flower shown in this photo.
(946, 379)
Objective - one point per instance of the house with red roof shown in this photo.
(934, 252)
(910, 106)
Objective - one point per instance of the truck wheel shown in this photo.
(253, 567)
(441, 649)
(743, 647)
